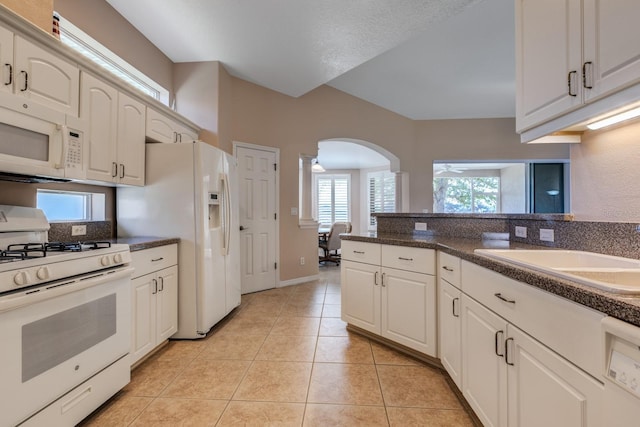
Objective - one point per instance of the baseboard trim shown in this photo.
(298, 280)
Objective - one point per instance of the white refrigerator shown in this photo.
(191, 192)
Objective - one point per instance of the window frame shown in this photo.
(330, 176)
(93, 205)
(99, 54)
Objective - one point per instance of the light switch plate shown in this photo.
(521, 232)
(546, 235)
(294, 211)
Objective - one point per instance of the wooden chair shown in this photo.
(331, 246)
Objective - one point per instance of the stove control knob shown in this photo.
(117, 258)
(105, 261)
(22, 278)
(43, 273)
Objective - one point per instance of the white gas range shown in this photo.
(64, 322)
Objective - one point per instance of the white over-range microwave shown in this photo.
(35, 141)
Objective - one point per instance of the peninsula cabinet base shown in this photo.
(431, 361)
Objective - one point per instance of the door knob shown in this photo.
(243, 228)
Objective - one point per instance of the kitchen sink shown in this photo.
(606, 272)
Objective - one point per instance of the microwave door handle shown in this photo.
(65, 146)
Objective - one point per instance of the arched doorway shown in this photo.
(360, 178)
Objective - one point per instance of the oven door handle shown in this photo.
(62, 287)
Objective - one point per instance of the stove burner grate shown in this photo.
(23, 251)
(75, 246)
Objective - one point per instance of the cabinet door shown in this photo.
(6, 60)
(167, 303)
(44, 78)
(99, 109)
(547, 390)
(450, 331)
(160, 128)
(130, 142)
(361, 295)
(548, 57)
(143, 316)
(611, 49)
(409, 309)
(484, 373)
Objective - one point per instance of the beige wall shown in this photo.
(605, 172)
(39, 12)
(197, 95)
(98, 19)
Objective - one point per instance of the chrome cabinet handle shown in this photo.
(382, 281)
(506, 352)
(121, 170)
(453, 307)
(161, 284)
(584, 74)
(497, 343)
(569, 79)
(449, 269)
(114, 169)
(375, 278)
(358, 252)
(10, 74)
(499, 296)
(157, 259)
(175, 136)
(155, 287)
(405, 259)
(26, 81)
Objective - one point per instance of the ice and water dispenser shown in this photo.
(214, 210)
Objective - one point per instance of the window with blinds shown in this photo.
(332, 201)
(382, 194)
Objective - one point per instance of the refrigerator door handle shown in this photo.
(227, 215)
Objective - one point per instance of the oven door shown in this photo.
(31, 138)
(57, 337)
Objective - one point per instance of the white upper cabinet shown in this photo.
(6, 59)
(548, 59)
(130, 141)
(611, 48)
(572, 52)
(115, 126)
(40, 76)
(161, 128)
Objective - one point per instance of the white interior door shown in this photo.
(258, 221)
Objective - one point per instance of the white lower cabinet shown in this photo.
(398, 304)
(449, 315)
(510, 378)
(154, 300)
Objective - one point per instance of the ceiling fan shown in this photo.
(448, 168)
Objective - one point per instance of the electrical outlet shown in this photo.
(301, 260)
(546, 235)
(294, 211)
(421, 226)
(78, 230)
(521, 232)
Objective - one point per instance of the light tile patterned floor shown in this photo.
(284, 359)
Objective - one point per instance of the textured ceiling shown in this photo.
(420, 58)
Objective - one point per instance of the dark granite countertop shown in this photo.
(625, 308)
(139, 243)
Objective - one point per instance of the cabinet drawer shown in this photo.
(361, 252)
(149, 260)
(570, 329)
(418, 260)
(449, 268)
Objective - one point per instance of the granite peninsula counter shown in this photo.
(626, 308)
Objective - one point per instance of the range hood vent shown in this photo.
(29, 179)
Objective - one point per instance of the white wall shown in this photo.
(513, 189)
(605, 172)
